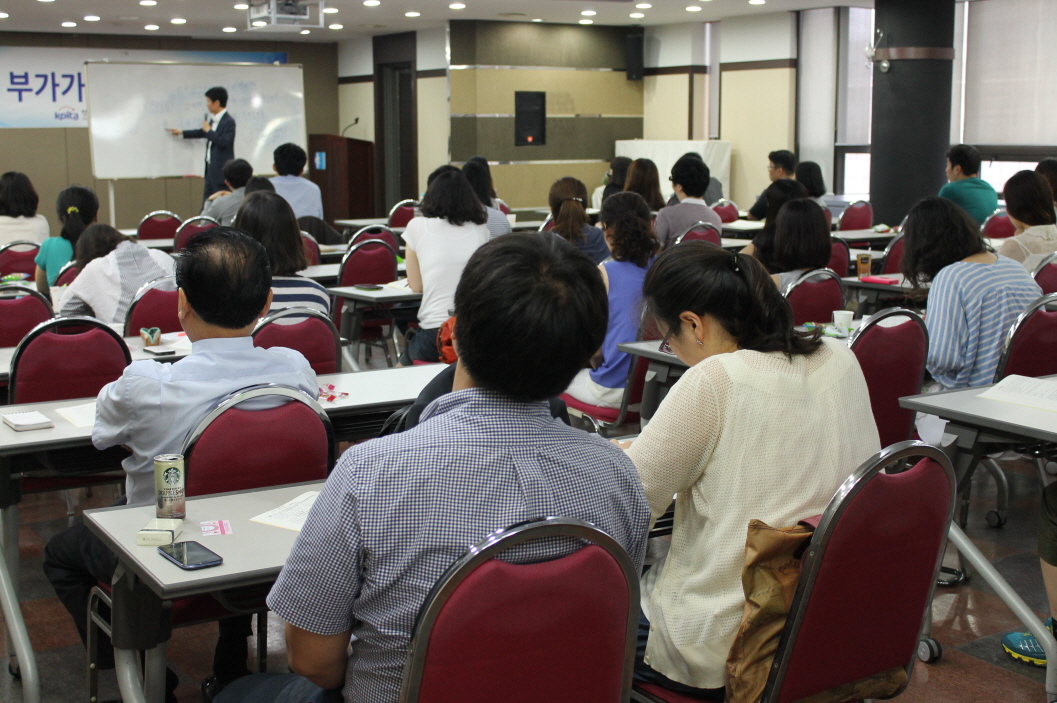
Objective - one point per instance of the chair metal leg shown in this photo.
(18, 636)
(96, 622)
(71, 504)
(1045, 477)
(262, 642)
(997, 518)
(9, 537)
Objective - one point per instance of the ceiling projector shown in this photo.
(284, 15)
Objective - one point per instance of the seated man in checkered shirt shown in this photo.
(399, 510)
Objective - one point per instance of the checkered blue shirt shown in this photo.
(399, 510)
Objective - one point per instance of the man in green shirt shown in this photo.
(975, 196)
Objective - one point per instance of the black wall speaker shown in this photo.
(530, 118)
(634, 49)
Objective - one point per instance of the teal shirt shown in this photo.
(55, 252)
(975, 196)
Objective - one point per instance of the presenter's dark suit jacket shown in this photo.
(222, 138)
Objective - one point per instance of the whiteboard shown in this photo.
(130, 105)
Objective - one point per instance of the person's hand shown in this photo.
(175, 132)
(219, 194)
(623, 445)
(205, 126)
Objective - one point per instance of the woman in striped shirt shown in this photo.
(269, 219)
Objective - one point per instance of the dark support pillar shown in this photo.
(911, 104)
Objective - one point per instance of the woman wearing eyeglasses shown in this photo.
(766, 423)
(625, 220)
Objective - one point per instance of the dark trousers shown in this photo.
(645, 674)
(75, 560)
(421, 347)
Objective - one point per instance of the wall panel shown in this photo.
(527, 185)
(434, 127)
(665, 106)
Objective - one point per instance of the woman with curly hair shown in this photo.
(625, 220)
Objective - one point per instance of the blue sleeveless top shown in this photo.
(625, 306)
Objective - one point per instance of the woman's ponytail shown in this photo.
(77, 208)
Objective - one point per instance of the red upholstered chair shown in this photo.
(154, 305)
(1029, 345)
(558, 630)
(377, 232)
(727, 210)
(67, 357)
(548, 224)
(702, 231)
(859, 215)
(998, 226)
(370, 261)
(829, 217)
(503, 207)
(815, 301)
(892, 357)
(315, 336)
(312, 254)
(840, 256)
(21, 309)
(191, 228)
(893, 256)
(402, 213)
(1045, 274)
(160, 224)
(67, 274)
(18, 257)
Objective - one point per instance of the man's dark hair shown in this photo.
(219, 95)
(270, 220)
(450, 197)
(809, 175)
(936, 233)
(783, 159)
(259, 183)
(966, 156)
(539, 300)
(226, 277)
(17, 195)
(290, 159)
(238, 172)
(480, 177)
(692, 174)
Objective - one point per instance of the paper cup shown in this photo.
(513, 219)
(842, 319)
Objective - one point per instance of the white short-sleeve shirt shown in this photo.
(442, 250)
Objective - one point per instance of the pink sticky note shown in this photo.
(212, 528)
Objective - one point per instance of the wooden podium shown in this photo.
(346, 176)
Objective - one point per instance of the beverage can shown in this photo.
(864, 264)
(169, 486)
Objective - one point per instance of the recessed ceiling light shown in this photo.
(305, 31)
(178, 20)
(757, 2)
(148, 3)
(586, 21)
(260, 23)
(47, 0)
(412, 14)
(371, 3)
(643, 6)
(69, 24)
(537, 20)
(4, 15)
(588, 13)
(337, 26)
(242, 6)
(637, 15)
(230, 29)
(151, 27)
(91, 18)
(697, 8)
(456, 6)
(329, 10)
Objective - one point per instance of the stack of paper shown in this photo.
(79, 415)
(1032, 392)
(289, 516)
(20, 422)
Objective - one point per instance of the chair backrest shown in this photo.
(66, 357)
(892, 358)
(18, 257)
(726, 209)
(402, 213)
(562, 629)
(192, 228)
(858, 215)
(840, 256)
(701, 231)
(503, 207)
(829, 217)
(998, 225)
(239, 448)
(376, 232)
(893, 255)
(1029, 345)
(1045, 274)
(315, 337)
(154, 305)
(312, 254)
(370, 261)
(815, 301)
(67, 274)
(548, 224)
(160, 224)
(21, 309)
(877, 549)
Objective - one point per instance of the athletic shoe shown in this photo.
(1023, 646)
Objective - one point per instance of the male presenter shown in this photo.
(219, 130)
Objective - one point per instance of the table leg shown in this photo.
(986, 571)
(17, 636)
(154, 673)
(9, 533)
(351, 329)
(140, 621)
(129, 681)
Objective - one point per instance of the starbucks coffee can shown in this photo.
(169, 486)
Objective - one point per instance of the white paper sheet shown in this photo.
(289, 516)
(1033, 392)
(79, 415)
